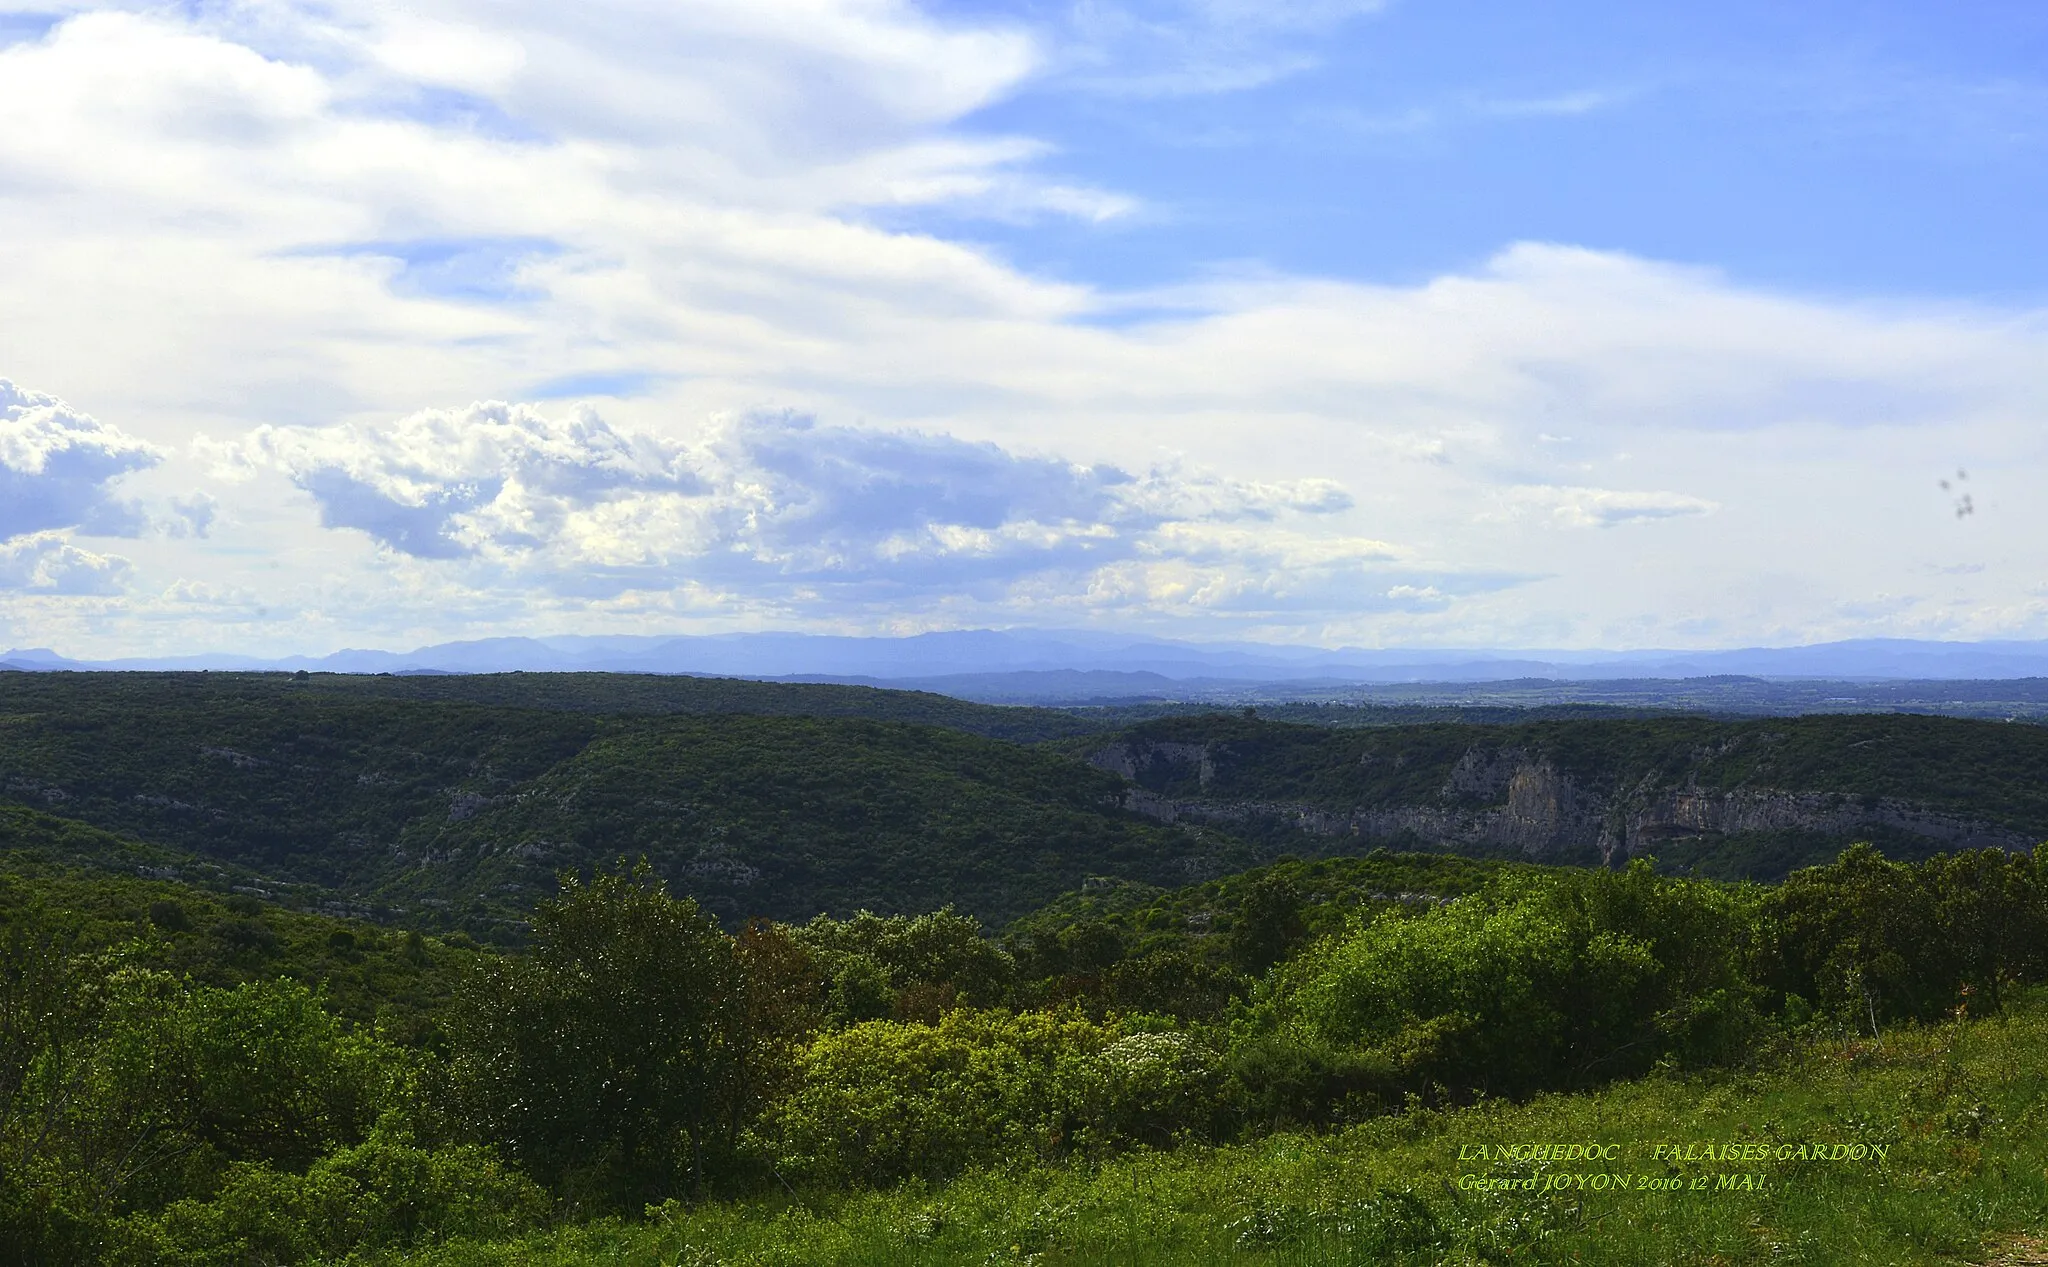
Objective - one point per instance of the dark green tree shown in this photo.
(605, 1056)
(911, 967)
(1862, 937)
(1174, 982)
(1268, 924)
(1092, 947)
(43, 1021)
(782, 1003)
(1989, 907)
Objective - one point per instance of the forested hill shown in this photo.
(398, 796)
(1748, 797)
(603, 693)
(461, 815)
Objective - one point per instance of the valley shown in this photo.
(453, 802)
(525, 968)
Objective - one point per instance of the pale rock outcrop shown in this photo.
(1508, 798)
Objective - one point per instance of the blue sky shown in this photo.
(1337, 322)
(1850, 148)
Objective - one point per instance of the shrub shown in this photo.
(1157, 1088)
(169, 916)
(886, 1100)
(126, 1088)
(1873, 940)
(1268, 924)
(939, 957)
(260, 1072)
(382, 1194)
(1537, 981)
(1174, 982)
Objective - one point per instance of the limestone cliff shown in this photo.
(1515, 799)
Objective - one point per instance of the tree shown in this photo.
(939, 948)
(1174, 982)
(1990, 903)
(885, 1100)
(603, 1056)
(1862, 937)
(782, 1003)
(1268, 924)
(43, 1020)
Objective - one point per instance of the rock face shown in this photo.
(1515, 800)
(1134, 760)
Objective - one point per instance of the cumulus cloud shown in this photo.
(453, 483)
(45, 562)
(56, 465)
(844, 503)
(775, 501)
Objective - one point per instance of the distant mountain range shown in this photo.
(1031, 665)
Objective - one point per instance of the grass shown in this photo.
(1961, 1107)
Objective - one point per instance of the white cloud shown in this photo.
(45, 562)
(56, 465)
(1417, 594)
(446, 484)
(1402, 123)
(191, 516)
(457, 54)
(1607, 507)
(774, 505)
(1566, 104)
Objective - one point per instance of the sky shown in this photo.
(1581, 324)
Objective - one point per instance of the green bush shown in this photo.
(1158, 1088)
(1537, 981)
(1175, 983)
(1268, 924)
(913, 967)
(1871, 940)
(124, 1089)
(381, 1194)
(886, 1100)
(273, 1075)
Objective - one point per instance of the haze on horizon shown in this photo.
(1588, 325)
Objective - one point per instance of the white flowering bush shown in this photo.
(1157, 1089)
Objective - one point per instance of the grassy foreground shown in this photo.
(1960, 1109)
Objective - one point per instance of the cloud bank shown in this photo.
(777, 506)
